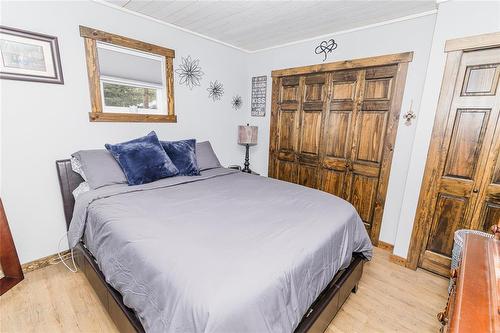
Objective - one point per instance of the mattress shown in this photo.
(221, 252)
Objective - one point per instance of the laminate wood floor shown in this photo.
(390, 298)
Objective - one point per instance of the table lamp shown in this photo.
(247, 136)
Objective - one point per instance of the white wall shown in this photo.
(45, 122)
(455, 19)
(409, 35)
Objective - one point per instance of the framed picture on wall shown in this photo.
(29, 56)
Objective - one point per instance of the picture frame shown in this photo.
(29, 56)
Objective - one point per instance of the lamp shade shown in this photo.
(247, 135)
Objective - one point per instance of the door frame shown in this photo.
(400, 59)
(454, 48)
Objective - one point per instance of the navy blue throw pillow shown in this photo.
(143, 160)
(183, 155)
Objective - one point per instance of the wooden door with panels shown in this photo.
(312, 112)
(286, 93)
(355, 135)
(300, 118)
(338, 131)
(488, 211)
(371, 117)
(485, 84)
(333, 128)
(461, 186)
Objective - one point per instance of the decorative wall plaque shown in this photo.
(259, 89)
(326, 47)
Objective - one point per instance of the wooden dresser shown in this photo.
(474, 301)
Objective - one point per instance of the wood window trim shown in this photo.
(346, 64)
(90, 37)
(454, 48)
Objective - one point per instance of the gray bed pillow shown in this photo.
(100, 168)
(206, 157)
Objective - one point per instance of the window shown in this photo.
(134, 97)
(129, 80)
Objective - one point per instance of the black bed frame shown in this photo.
(316, 319)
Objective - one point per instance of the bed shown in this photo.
(220, 252)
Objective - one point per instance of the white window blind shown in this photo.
(122, 63)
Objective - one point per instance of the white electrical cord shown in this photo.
(61, 258)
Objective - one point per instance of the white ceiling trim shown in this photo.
(369, 26)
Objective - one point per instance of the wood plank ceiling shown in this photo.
(256, 25)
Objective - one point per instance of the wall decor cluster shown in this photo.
(326, 47)
(215, 90)
(237, 102)
(29, 56)
(190, 72)
(259, 90)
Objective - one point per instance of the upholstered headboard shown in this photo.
(68, 181)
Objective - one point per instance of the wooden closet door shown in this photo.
(337, 132)
(333, 128)
(357, 139)
(285, 135)
(300, 117)
(375, 121)
(459, 191)
(312, 107)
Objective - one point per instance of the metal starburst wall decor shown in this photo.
(215, 90)
(237, 102)
(189, 72)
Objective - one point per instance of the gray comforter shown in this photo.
(220, 252)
